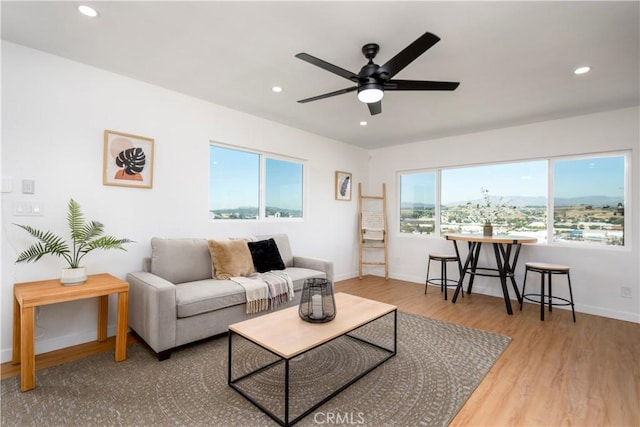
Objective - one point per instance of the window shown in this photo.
(238, 188)
(589, 200)
(417, 203)
(283, 189)
(585, 194)
(517, 193)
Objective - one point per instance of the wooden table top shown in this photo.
(287, 335)
(499, 238)
(32, 294)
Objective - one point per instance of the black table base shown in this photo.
(506, 260)
(286, 421)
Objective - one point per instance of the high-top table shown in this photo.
(29, 295)
(506, 260)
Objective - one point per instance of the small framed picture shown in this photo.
(128, 160)
(343, 186)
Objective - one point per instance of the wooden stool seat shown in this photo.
(442, 281)
(447, 257)
(546, 267)
(547, 298)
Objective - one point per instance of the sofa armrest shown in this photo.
(315, 264)
(152, 309)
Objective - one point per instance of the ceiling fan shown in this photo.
(373, 79)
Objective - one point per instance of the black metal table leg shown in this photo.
(463, 270)
(286, 392)
(502, 267)
(474, 263)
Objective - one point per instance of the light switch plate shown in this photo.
(7, 184)
(28, 186)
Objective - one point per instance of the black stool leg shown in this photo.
(426, 283)
(550, 294)
(524, 285)
(443, 277)
(542, 296)
(571, 296)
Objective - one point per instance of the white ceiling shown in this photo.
(515, 60)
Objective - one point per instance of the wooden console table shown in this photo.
(28, 295)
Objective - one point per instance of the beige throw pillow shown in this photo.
(231, 258)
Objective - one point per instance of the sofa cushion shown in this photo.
(282, 241)
(299, 275)
(180, 260)
(231, 258)
(193, 298)
(202, 296)
(265, 255)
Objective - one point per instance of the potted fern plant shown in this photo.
(85, 237)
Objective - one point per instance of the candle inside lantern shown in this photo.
(316, 307)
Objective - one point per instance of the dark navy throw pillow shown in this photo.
(266, 256)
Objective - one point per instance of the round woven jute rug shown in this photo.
(437, 367)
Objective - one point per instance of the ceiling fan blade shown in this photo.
(327, 66)
(407, 55)
(419, 85)
(375, 108)
(330, 94)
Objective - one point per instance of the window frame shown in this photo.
(626, 154)
(262, 190)
(628, 173)
(436, 211)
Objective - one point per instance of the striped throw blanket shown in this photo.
(266, 291)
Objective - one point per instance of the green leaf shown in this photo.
(49, 244)
(75, 220)
(85, 238)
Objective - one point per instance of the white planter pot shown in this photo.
(73, 276)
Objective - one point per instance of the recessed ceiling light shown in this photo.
(276, 89)
(582, 70)
(87, 11)
(363, 123)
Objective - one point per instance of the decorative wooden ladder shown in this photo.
(372, 229)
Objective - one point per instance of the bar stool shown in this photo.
(547, 270)
(443, 281)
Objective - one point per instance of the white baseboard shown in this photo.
(580, 308)
(46, 345)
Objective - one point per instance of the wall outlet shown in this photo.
(625, 292)
(25, 208)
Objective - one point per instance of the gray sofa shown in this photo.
(175, 300)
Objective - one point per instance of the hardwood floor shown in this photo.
(553, 373)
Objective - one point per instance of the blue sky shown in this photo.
(603, 176)
(598, 176)
(234, 180)
(236, 173)
(509, 179)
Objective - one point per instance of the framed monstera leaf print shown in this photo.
(128, 160)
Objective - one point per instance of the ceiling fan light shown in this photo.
(370, 93)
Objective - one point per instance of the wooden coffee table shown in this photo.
(287, 336)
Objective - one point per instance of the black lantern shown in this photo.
(317, 304)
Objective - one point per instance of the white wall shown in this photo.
(597, 274)
(54, 113)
